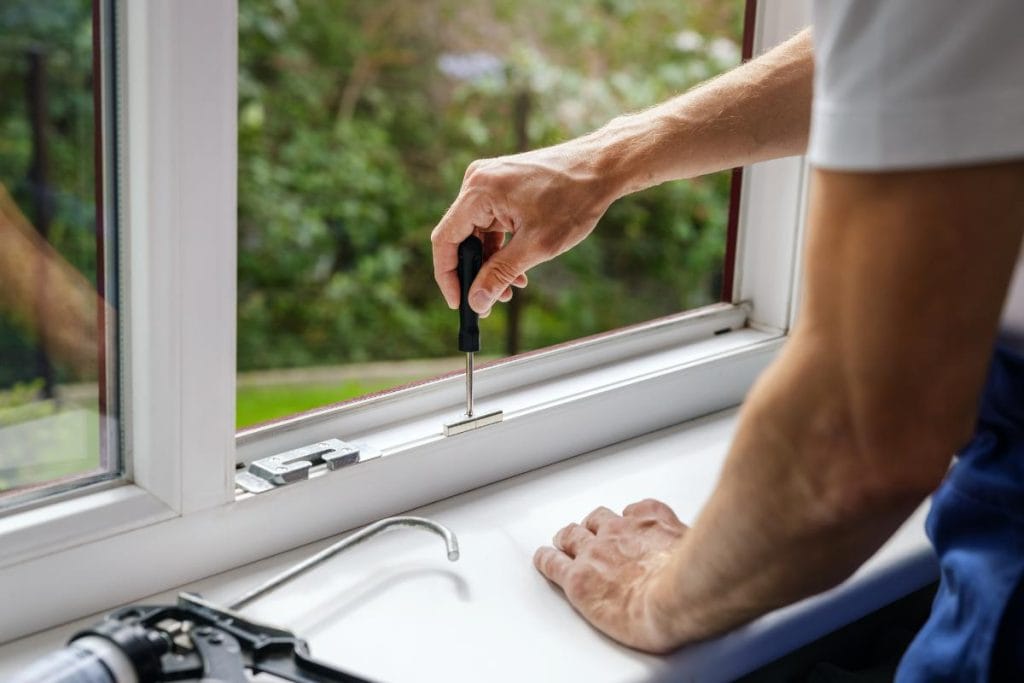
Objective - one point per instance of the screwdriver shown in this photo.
(471, 258)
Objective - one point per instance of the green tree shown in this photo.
(356, 125)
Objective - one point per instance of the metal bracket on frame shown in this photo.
(295, 465)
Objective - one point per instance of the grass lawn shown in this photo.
(42, 441)
(259, 404)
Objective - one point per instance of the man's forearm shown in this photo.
(551, 198)
(857, 421)
(755, 112)
(777, 528)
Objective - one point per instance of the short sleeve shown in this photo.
(904, 84)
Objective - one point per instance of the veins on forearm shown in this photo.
(758, 111)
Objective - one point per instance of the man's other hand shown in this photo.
(613, 570)
(545, 202)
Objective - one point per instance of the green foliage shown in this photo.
(45, 442)
(21, 394)
(60, 31)
(353, 141)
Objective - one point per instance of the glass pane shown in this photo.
(356, 123)
(56, 358)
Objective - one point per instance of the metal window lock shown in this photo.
(295, 465)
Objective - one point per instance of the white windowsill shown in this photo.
(395, 609)
(69, 558)
(107, 509)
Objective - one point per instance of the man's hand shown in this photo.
(546, 201)
(845, 434)
(614, 571)
(550, 199)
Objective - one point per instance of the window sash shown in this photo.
(409, 415)
(771, 208)
(180, 520)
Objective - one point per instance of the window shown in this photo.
(176, 515)
(58, 355)
(356, 122)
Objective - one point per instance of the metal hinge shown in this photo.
(295, 465)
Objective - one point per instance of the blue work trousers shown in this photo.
(976, 628)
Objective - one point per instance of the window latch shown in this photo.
(295, 465)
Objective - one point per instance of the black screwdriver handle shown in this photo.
(471, 257)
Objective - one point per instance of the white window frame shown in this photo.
(177, 517)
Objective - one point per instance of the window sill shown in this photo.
(456, 621)
(107, 509)
(569, 402)
(556, 404)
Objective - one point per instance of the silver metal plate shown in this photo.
(347, 455)
(273, 471)
(251, 483)
(280, 472)
(468, 424)
(357, 453)
(294, 465)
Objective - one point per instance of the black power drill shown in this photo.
(193, 641)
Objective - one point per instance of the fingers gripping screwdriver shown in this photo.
(471, 258)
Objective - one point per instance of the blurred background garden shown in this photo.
(356, 121)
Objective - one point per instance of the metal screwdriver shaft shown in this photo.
(469, 384)
(471, 258)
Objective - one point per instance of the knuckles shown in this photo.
(478, 174)
(615, 525)
(649, 507)
(578, 582)
(471, 170)
(545, 562)
(563, 535)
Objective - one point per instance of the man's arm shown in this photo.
(845, 434)
(550, 199)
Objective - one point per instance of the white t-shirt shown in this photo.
(904, 84)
